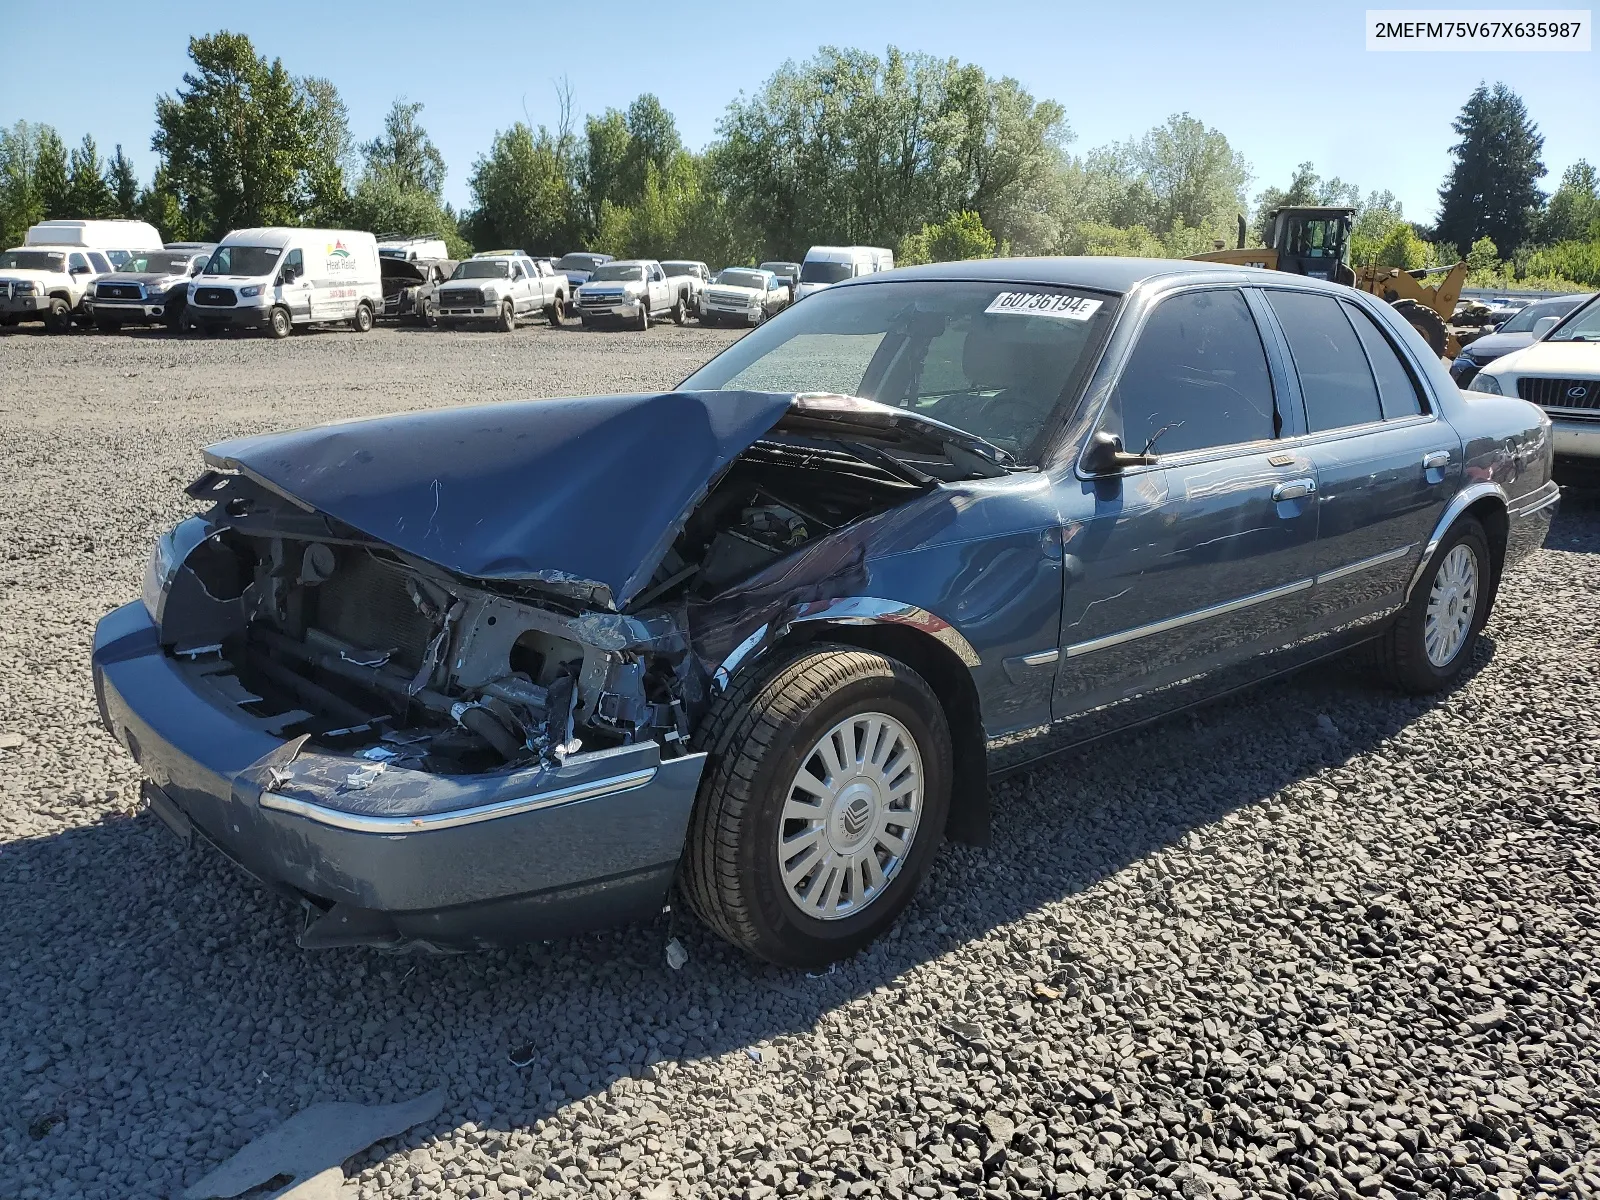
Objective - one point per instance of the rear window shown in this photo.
(1335, 378)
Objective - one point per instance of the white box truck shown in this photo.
(118, 240)
(275, 279)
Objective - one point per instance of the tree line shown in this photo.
(933, 157)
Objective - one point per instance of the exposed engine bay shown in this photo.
(316, 629)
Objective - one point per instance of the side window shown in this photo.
(1197, 378)
(1335, 379)
(1397, 389)
(76, 263)
(294, 265)
(516, 272)
(99, 262)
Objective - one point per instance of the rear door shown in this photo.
(1206, 557)
(1385, 464)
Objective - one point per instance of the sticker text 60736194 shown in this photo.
(1044, 304)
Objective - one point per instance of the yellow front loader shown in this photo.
(1315, 242)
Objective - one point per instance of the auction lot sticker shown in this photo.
(1044, 304)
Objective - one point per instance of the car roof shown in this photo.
(1097, 272)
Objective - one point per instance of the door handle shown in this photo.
(1294, 489)
(1436, 461)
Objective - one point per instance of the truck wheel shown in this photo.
(362, 321)
(644, 316)
(278, 323)
(508, 317)
(556, 313)
(680, 311)
(59, 317)
(107, 325)
(1432, 640)
(174, 319)
(822, 805)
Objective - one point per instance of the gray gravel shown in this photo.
(1318, 941)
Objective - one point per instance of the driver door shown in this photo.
(294, 289)
(658, 289)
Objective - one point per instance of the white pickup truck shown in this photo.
(48, 283)
(689, 278)
(499, 289)
(632, 290)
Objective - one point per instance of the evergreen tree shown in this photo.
(89, 196)
(124, 183)
(1492, 190)
(50, 176)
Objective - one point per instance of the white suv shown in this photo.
(48, 283)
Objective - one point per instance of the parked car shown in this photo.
(579, 266)
(827, 265)
(690, 279)
(48, 284)
(275, 278)
(151, 287)
(743, 296)
(486, 673)
(500, 289)
(634, 290)
(1514, 333)
(411, 286)
(787, 272)
(413, 249)
(1560, 372)
(117, 239)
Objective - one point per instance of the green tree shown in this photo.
(523, 195)
(1493, 186)
(1375, 223)
(958, 237)
(89, 193)
(52, 178)
(160, 207)
(1193, 175)
(602, 163)
(20, 203)
(243, 143)
(1575, 208)
(123, 181)
(1483, 259)
(404, 154)
(653, 141)
(1401, 247)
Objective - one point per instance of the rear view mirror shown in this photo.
(1104, 455)
(1544, 325)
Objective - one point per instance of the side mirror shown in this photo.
(78, 271)
(1105, 456)
(1544, 325)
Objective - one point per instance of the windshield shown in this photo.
(243, 260)
(631, 272)
(33, 260)
(1581, 326)
(1318, 237)
(778, 268)
(681, 268)
(744, 279)
(817, 271)
(156, 264)
(577, 262)
(978, 356)
(1523, 321)
(482, 268)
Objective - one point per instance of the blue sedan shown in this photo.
(487, 674)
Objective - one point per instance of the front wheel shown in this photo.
(362, 321)
(58, 319)
(680, 311)
(278, 324)
(822, 806)
(1433, 639)
(644, 316)
(508, 317)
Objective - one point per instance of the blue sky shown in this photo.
(1379, 120)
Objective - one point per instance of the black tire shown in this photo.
(58, 317)
(362, 321)
(508, 318)
(1402, 652)
(278, 323)
(556, 313)
(758, 733)
(174, 319)
(106, 325)
(680, 311)
(1426, 322)
(644, 315)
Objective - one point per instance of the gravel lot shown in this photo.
(1317, 941)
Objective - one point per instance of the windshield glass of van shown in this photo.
(576, 262)
(1523, 321)
(1582, 326)
(627, 272)
(156, 264)
(995, 360)
(482, 268)
(33, 260)
(817, 271)
(743, 279)
(250, 261)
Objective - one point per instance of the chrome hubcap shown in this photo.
(1452, 603)
(850, 816)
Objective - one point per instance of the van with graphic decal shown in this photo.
(275, 279)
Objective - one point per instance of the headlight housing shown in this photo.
(1483, 382)
(166, 556)
(25, 287)
(252, 291)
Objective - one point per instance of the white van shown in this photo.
(118, 241)
(828, 265)
(275, 279)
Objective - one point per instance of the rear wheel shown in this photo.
(278, 323)
(508, 317)
(822, 806)
(362, 321)
(556, 313)
(58, 318)
(680, 311)
(1433, 639)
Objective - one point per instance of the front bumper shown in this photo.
(1530, 517)
(744, 316)
(448, 862)
(1464, 369)
(608, 308)
(126, 310)
(238, 317)
(24, 306)
(1576, 437)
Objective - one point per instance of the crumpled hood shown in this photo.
(578, 492)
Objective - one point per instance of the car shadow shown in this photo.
(1575, 529)
(177, 940)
